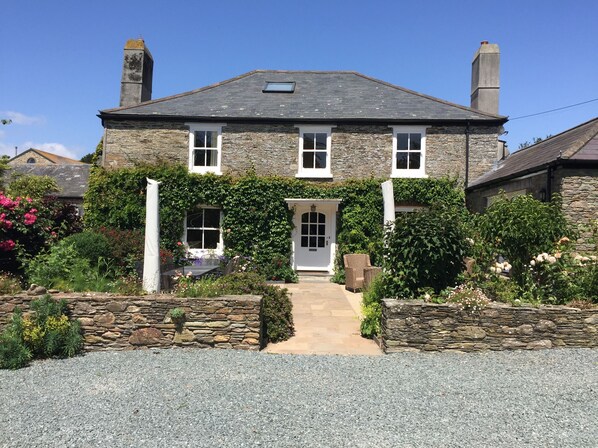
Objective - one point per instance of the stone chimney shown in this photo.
(485, 78)
(138, 67)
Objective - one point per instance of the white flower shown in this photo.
(470, 241)
(507, 266)
(551, 259)
(532, 263)
(427, 297)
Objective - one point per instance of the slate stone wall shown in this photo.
(358, 151)
(130, 142)
(579, 191)
(415, 325)
(116, 323)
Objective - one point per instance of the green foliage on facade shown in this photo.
(257, 221)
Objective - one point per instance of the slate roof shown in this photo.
(579, 143)
(71, 179)
(318, 96)
(54, 158)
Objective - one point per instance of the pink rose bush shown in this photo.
(25, 228)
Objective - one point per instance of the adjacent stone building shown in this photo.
(566, 164)
(321, 126)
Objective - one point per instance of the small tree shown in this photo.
(424, 250)
(522, 227)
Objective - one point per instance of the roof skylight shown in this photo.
(279, 87)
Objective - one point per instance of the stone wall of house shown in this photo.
(415, 325)
(358, 151)
(477, 200)
(115, 323)
(446, 150)
(130, 142)
(579, 192)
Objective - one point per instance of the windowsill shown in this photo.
(408, 175)
(203, 171)
(312, 175)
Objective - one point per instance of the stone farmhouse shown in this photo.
(321, 126)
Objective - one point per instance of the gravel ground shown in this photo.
(213, 398)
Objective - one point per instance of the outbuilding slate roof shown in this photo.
(579, 143)
(318, 96)
(71, 179)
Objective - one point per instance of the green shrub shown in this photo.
(48, 332)
(57, 267)
(126, 247)
(14, 354)
(32, 186)
(279, 268)
(372, 308)
(521, 228)
(63, 268)
(90, 245)
(424, 249)
(278, 313)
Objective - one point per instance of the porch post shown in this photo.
(389, 202)
(151, 255)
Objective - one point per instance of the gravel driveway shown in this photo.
(213, 398)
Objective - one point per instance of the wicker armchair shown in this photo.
(355, 265)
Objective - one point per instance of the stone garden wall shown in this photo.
(415, 325)
(116, 323)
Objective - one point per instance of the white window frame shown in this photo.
(213, 127)
(202, 252)
(315, 172)
(421, 171)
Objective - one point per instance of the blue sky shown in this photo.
(61, 61)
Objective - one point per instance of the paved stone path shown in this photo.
(326, 321)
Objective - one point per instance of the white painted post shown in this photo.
(151, 256)
(389, 202)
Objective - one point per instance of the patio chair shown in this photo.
(355, 265)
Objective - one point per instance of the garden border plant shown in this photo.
(45, 332)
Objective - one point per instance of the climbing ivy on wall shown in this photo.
(257, 221)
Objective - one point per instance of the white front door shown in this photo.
(314, 237)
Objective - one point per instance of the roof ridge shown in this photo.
(552, 137)
(433, 98)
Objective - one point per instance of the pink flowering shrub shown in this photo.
(27, 226)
